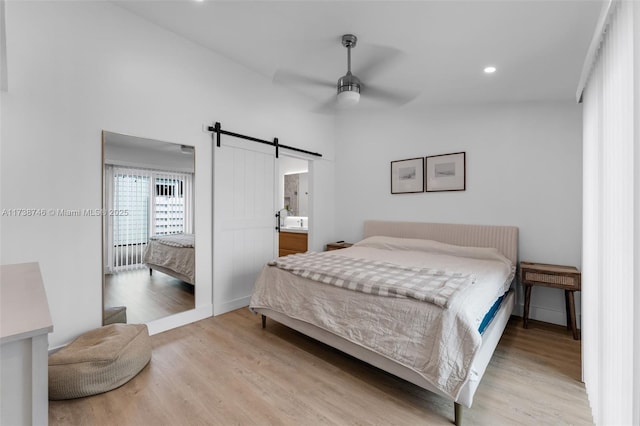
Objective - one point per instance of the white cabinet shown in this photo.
(25, 323)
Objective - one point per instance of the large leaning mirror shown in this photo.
(148, 229)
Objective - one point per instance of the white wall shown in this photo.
(4, 78)
(322, 204)
(149, 157)
(524, 168)
(80, 67)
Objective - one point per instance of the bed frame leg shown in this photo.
(264, 321)
(457, 408)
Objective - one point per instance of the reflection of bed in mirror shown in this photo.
(173, 255)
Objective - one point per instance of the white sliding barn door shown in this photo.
(244, 236)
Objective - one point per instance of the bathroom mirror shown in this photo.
(296, 194)
(148, 229)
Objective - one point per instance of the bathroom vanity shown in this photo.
(292, 242)
(293, 236)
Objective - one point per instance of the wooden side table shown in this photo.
(556, 276)
(337, 246)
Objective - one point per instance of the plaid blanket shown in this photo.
(375, 277)
(175, 240)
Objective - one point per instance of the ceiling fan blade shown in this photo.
(327, 107)
(287, 78)
(380, 58)
(397, 97)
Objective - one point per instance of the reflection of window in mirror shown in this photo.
(296, 194)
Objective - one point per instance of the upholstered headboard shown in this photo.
(504, 238)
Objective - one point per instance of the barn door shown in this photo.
(244, 223)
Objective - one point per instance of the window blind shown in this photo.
(144, 203)
(131, 218)
(610, 215)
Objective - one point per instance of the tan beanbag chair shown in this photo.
(99, 361)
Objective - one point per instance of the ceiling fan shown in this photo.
(349, 87)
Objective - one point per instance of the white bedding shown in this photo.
(439, 344)
(387, 279)
(492, 271)
(174, 260)
(176, 240)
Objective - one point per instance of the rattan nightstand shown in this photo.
(556, 276)
(337, 246)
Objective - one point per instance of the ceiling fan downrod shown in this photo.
(349, 85)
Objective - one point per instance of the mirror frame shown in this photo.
(104, 228)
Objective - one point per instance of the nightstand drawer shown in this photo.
(558, 276)
(560, 280)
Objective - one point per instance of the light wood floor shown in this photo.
(148, 298)
(227, 370)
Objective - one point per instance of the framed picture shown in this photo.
(407, 176)
(446, 172)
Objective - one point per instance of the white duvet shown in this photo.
(439, 344)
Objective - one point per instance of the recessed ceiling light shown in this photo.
(490, 70)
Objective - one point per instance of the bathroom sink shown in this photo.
(294, 229)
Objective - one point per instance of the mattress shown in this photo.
(491, 314)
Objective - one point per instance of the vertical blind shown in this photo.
(143, 203)
(610, 215)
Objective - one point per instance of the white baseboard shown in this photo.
(177, 320)
(231, 305)
(540, 313)
(167, 323)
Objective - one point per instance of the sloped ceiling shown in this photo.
(538, 47)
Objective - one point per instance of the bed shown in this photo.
(404, 335)
(173, 255)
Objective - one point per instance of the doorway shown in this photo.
(293, 201)
(249, 192)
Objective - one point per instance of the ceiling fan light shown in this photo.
(348, 90)
(348, 97)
